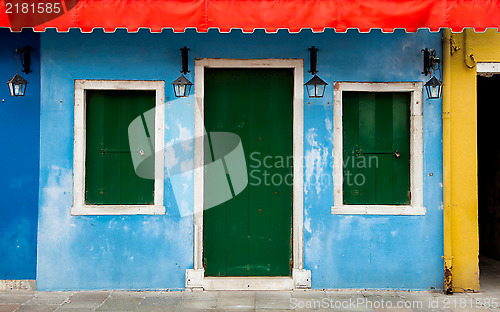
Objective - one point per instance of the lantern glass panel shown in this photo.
(316, 90)
(187, 90)
(21, 89)
(434, 91)
(179, 90)
(434, 88)
(17, 89)
(315, 87)
(182, 86)
(182, 90)
(310, 90)
(11, 89)
(320, 90)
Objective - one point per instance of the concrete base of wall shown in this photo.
(17, 285)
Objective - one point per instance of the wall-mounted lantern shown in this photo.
(316, 86)
(17, 84)
(434, 86)
(182, 86)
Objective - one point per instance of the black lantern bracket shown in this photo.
(25, 57)
(182, 85)
(17, 84)
(432, 64)
(184, 59)
(315, 86)
(431, 61)
(313, 60)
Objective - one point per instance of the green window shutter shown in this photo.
(110, 177)
(376, 148)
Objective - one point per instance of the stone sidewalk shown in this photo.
(309, 300)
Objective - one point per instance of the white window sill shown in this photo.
(378, 210)
(87, 210)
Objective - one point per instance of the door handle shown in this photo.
(117, 150)
(377, 152)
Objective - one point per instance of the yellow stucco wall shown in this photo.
(460, 150)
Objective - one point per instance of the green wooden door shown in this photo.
(251, 234)
(110, 178)
(376, 148)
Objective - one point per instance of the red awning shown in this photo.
(248, 15)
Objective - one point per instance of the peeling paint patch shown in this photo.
(170, 159)
(328, 124)
(56, 203)
(185, 137)
(307, 224)
(311, 137)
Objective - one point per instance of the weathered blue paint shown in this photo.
(153, 252)
(20, 137)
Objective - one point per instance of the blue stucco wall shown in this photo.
(153, 252)
(20, 139)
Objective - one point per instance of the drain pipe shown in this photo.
(447, 200)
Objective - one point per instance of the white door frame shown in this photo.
(195, 278)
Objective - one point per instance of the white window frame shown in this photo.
(416, 206)
(488, 68)
(79, 206)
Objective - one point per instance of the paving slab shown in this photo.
(201, 295)
(308, 294)
(370, 292)
(9, 307)
(358, 309)
(37, 308)
(235, 303)
(157, 309)
(161, 301)
(191, 305)
(273, 303)
(237, 294)
(234, 310)
(120, 304)
(392, 310)
(90, 296)
(128, 294)
(11, 297)
(430, 310)
(42, 297)
(74, 309)
(273, 294)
